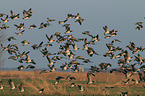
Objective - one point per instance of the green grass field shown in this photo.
(33, 81)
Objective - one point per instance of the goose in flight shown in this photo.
(52, 68)
(4, 26)
(28, 60)
(80, 57)
(61, 22)
(10, 38)
(30, 66)
(64, 66)
(24, 42)
(35, 46)
(139, 59)
(43, 71)
(91, 51)
(20, 67)
(50, 20)
(86, 61)
(50, 39)
(94, 69)
(27, 14)
(13, 16)
(19, 27)
(70, 77)
(126, 82)
(43, 25)
(139, 25)
(32, 26)
(5, 20)
(77, 16)
(104, 66)
(69, 16)
(50, 61)
(20, 32)
(68, 30)
(106, 30)
(2, 14)
(80, 20)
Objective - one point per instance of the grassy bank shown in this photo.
(33, 81)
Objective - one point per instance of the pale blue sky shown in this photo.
(116, 14)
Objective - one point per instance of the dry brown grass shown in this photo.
(39, 81)
(107, 77)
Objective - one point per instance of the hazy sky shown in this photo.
(116, 14)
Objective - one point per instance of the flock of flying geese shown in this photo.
(69, 46)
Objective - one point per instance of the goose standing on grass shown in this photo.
(1, 85)
(141, 76)
(41, 90)
(58, 79)
(89, 77)
(81, 88)
(72, 85)
(124, 93)
(11, 84)
(20, 87)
